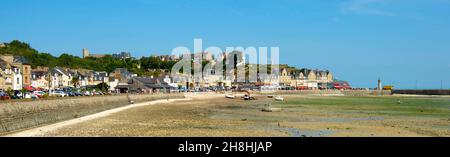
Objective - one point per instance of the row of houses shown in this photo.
(16, 73)
(147, 85)
(305, 78)
(288, 78)
(58, 78)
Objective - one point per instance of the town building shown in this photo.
(204, 56)
(268, 80)
(84, 77)
(122, 74)
(21, 63)
(166, 58)
(305, 78)
(17, 79)
(6, 75)
(122, 55)
(59, 78)
(100, 77)
(113, 83)
(145, 85)
(311, 79)
(286, 77)
(231, 56)
(39, 79)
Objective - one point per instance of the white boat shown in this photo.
(279, 98)
(230, 96)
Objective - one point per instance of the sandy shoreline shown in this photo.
(213, 115)
(40, 131)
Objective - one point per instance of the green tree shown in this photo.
(107, 63)
(9, 91)
(102, 87)
(75, 81)
(24, 92)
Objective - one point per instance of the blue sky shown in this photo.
(400, 41)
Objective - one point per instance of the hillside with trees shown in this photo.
(107, 63)
(145, 66)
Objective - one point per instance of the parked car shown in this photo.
(16, 95)
(19, 95)
(78, 94)
(39, 94)
(59, 93)
(87, 93)
(4, 96)
(73, 93)
(28, 95)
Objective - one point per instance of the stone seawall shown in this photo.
(26, 114)
(423, 92)
(334, 92)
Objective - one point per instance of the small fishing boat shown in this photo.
(229, 96)
(279, 98)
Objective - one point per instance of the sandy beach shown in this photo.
(212, 115)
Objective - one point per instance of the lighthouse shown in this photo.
(379, 84)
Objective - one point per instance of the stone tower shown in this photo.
(85, 53)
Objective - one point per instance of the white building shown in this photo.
(38, 80)
(59, 78)
(84, 77)
(168, 80)
(313, 85)
(112, 83)
(17, 79)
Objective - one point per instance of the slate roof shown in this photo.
(152, 82)
(21, 59)
(3, 64)
(58, 70)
